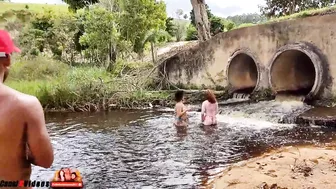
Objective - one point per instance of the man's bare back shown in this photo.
(24, 139)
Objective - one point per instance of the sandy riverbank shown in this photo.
(290, 167)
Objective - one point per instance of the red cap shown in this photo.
(6, 43)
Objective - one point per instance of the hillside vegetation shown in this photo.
(6, 6)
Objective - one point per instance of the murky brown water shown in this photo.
(141, 149)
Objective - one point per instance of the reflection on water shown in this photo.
(139, 149)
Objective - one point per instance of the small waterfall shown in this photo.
(272, 111)
(237, 98)
(288, 97)
(241, 96)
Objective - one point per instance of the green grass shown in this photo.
(302, 14)
(305, 13)
(245, 25)
(6, 6)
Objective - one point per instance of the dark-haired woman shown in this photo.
(181, 117)
(61, 175)
(209, 109)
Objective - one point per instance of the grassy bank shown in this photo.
(6, 6)
(302, 14)
(61, 87)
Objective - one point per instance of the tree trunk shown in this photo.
(201, 19)
(112, 58)
(152, 49)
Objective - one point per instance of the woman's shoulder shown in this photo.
(205, 102)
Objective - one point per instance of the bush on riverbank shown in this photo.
(60, 86)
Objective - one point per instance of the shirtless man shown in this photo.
(24, 139)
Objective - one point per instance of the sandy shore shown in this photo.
(290, 167)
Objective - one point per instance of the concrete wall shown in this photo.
(207, 63)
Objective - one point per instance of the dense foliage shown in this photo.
(74, 5)
(97, 35)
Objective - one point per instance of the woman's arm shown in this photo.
(203, 111)
(216, 108)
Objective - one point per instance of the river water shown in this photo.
(142, 149)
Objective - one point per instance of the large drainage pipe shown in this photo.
(296, 69)
(243, 72)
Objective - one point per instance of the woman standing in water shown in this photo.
(181, 117)
(209, 109)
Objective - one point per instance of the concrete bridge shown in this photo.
(289, 56)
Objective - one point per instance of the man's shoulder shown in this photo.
(24, 100)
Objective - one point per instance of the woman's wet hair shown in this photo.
(179, 96)
(210, 96)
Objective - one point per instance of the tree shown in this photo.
(216, 23)
(62, 44)
(230, 26)
(101, 37)
(139, 17)
(111, 5)
(201, 19)
(192, 15)
(170, 26)
(191, 33)
(74, 5)
(153, 37)
(276, 8)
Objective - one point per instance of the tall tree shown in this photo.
(201, 19)
(138, 18)
(170, 26)
(74, 5)
(276, 8)
(101, 37)
(192, 15)
(216, 23)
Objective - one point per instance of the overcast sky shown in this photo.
(221, 8)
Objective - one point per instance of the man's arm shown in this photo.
(179, 111)
(37, 135)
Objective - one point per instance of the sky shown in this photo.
(222, 8)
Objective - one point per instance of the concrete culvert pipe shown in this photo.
(242, 72)
(296, 70)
